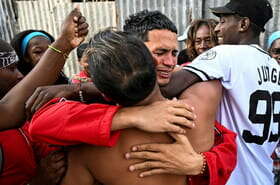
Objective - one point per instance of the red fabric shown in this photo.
(18, 161)
(81, 77)
(18, 153)
(40, 149)
(69, 123)
(221, 159)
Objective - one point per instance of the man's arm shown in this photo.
(205, 98)
(87, 91)
(69, 122)
(180, 80)
(180, 158)
(44, 73)
(221, 159)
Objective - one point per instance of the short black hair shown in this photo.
(81, 49)
(144, 21)
(123, 67)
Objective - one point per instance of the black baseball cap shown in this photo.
(258, 11)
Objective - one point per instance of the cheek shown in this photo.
(36, 59)
(156, 60)
(196, 47)
(275, 56)
(175, 61)
(224, 29)
(8, 81)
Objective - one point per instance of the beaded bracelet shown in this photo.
(203, 165)
(81, 96)
(81, 93)
(65, 56)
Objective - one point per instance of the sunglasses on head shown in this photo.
(275, 51)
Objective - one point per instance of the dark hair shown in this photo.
(183, 57)
(24, 66)
(195, 25)
(123, 68)
(81, 49)
(144, 21)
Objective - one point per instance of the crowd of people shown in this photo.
(140, 111)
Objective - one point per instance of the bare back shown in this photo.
(109, 166)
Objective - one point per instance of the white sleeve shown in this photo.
(212, 64)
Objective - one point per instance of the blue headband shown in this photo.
(30, 36)
(274, 36)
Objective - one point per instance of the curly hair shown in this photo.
(195, 25)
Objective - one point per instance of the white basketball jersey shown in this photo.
(250, 105)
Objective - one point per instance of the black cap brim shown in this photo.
(221, 10)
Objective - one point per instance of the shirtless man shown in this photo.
(123, 60)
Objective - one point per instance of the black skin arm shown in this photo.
(44, 94)
(179, 81)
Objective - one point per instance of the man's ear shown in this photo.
(244, 24)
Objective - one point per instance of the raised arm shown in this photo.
(12, 105)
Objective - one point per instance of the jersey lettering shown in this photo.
(265, 119)
(267, 74)
(276, 116)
